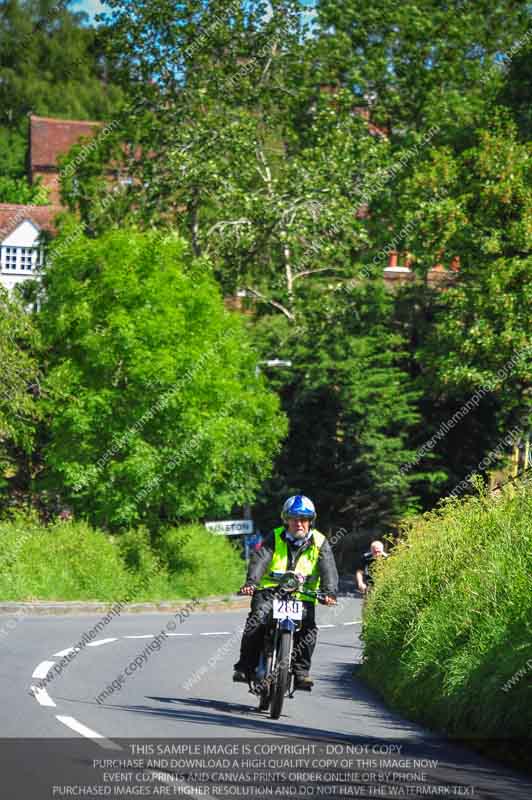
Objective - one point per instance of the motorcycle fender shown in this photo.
(288, 625)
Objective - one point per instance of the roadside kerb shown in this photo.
(222, 603)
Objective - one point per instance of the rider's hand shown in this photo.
(329, 601)
(246, 589)
(363, 589)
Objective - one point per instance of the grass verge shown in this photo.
(448, 628)
(72, 561)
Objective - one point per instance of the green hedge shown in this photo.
(72, 561)
(448, 628)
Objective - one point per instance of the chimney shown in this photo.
(392, 259)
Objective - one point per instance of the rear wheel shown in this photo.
(281, 673)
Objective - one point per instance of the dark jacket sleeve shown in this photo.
(260, 560)
(328, 571)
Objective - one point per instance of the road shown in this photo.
(55, 735)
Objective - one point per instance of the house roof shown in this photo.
(13, 215)
(50, 138)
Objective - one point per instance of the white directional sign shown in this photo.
(231, 527)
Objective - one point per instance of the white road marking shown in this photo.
(42, 696)
(356, 622)
(76, 726)
(141, 636)
(326, 626)
(98, 642)
(179, 634)
(42, 670)
(216, 633)
(66, 652)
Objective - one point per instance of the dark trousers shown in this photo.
(255, 628)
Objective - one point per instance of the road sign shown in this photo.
(230, 527)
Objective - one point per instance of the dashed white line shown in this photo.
(141, 636)
(355, 622)
(88, 733)
(326, 626)
(42, 696)
(216, 633)
(66, 652)
(98, 642)
(179, 634)
(42, 669)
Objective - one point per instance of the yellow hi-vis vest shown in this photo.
(306, 564)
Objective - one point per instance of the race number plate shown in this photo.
(293, 609)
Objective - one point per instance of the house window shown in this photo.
(19, 259)
(9, 260)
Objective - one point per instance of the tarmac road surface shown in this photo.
(176, 725)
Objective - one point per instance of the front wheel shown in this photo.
(265, 695)
(281, 673)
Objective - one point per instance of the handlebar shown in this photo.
(319, 595)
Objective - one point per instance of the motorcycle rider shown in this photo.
(363, 576)
(294, 546)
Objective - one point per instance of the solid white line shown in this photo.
(326, 626)
(356, 622)
(66, 652)
(42, 696)
(42, 670)
(98, 642)
(76, 726)
(216, 633)
(142, 636)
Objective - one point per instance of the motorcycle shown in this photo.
(274, 676)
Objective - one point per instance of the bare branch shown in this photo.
(273, 303)
(226, 222)
(306, 272)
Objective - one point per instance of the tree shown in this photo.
(419, 62)
(215, 137)
(154, 412)
(351, 406)
(19, 386)
(51, 65)
(470, 338)
(515, 81)
(17, 190)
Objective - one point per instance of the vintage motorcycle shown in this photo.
(274, 676)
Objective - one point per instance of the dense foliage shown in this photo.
(295, 150)
(153, 410)
(19, 387)
(51, 64)
(451, 614)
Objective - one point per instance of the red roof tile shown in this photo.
(13, 215)
(50, 138)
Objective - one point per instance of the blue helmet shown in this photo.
(298, 506)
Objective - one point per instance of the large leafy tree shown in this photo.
(227, 135)
(154, 412)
